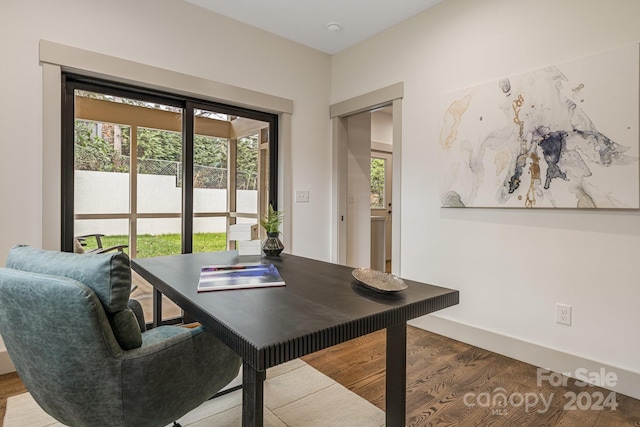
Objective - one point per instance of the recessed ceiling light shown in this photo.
(334, 27)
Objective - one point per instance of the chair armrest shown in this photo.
(163, 337)
(84, 236)
(82, 239)
(158, 340)
(109, 249)
(135, 306)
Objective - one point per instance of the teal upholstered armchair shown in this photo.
(77, 344)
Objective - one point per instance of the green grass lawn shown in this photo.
(165, 244)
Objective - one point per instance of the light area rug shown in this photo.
(295, 395)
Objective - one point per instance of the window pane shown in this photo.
(247, 174)
(158, 237)
(377, 183)
(209, 234)
(210, 174)
(159, 186)
(101, 164)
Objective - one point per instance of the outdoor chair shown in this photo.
(81, 242)
(82, 351)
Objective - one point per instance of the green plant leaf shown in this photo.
(272, 220)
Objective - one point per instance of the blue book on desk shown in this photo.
(238, 276)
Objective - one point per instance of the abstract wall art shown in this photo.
(565, 136)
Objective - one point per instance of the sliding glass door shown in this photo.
(155, 174)
(228, 171)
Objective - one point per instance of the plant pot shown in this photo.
(272, 246)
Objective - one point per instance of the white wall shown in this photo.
(170, 34)
(382, 127)
(511, 266)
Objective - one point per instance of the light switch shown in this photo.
(302, 196)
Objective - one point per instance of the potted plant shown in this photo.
(271, 224)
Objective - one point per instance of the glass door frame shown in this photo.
(263, 199)
(72, 82)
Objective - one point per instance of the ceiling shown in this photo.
(305, 21)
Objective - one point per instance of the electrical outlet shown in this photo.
(563, 314)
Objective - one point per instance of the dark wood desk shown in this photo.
(321, 305)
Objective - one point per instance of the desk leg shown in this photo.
(157, 308)
(252, 396)
(396, 393)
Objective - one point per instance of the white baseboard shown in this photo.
(6, 366)
(627, 383)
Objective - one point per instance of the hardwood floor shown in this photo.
(10, 385)
(445, 378)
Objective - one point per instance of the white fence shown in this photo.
(108, 192)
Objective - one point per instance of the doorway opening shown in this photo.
(367, 145)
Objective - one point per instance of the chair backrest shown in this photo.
(60, 341)
(108, 275)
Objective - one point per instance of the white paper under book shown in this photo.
(238, 276)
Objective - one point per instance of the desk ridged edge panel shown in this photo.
(293, 349)
(238, 344)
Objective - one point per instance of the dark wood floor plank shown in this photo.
(441, 372)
